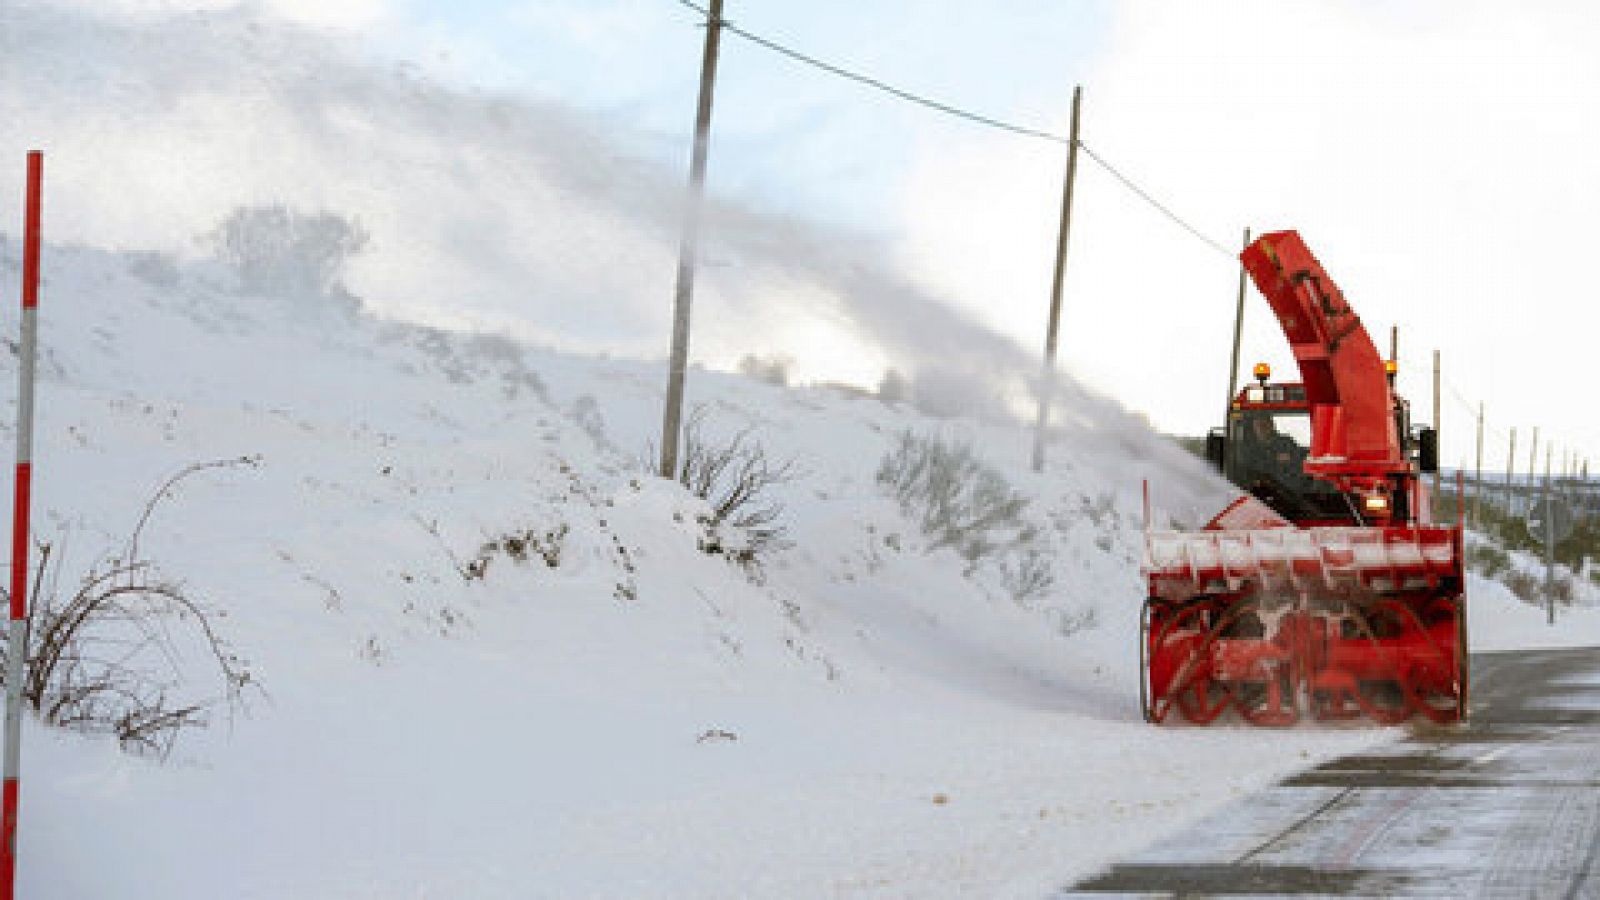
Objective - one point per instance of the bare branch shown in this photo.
(736, 478)
(108, 655)
(167, 487)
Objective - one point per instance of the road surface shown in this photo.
(1506, 806)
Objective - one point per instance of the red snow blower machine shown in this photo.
(1326, 590)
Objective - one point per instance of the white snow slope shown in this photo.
(865, 716)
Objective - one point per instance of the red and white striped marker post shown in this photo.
(17, 639)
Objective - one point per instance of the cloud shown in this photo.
(485, 210)
(341, 14)
(1437, 156)
(500, 210)
(318, 13)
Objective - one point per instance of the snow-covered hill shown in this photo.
(860, 714)
(622, 713)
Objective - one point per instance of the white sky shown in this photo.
(1437, 156)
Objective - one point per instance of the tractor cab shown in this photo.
(1263, 450)
(1264, 446)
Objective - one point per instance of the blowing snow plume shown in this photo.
(485, 211)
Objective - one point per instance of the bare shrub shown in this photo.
(1531, 588)
(276, 250)
(1561, 590)
(111, 654)
(106, 659)
(1070, 622)
(1525, 586)
(736, 478)
(1495, 562)
(893, 388)
(956, 499)
(545, 544)
(156, 269)
(517, 545)
(771, 369)
(1027, 576)
(585, 413)
(1487, 559)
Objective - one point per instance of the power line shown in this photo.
(885, 87)
(1469, 411)
(1012, 128)
(1128, 183)
(964, 114)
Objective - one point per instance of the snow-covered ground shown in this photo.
(1500, 620)
(862, 716)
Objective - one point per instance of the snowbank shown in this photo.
(861, 715)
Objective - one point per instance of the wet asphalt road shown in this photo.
(1506, 806)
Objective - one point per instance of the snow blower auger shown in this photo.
(1325, 591)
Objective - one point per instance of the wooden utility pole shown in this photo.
(1533, 457)
(1511, 467)
(1238, 335)
(688, 248)
(1394, 343)
(1549, 540)
(1439, 433)
(1048, 384)
(1477, 477)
